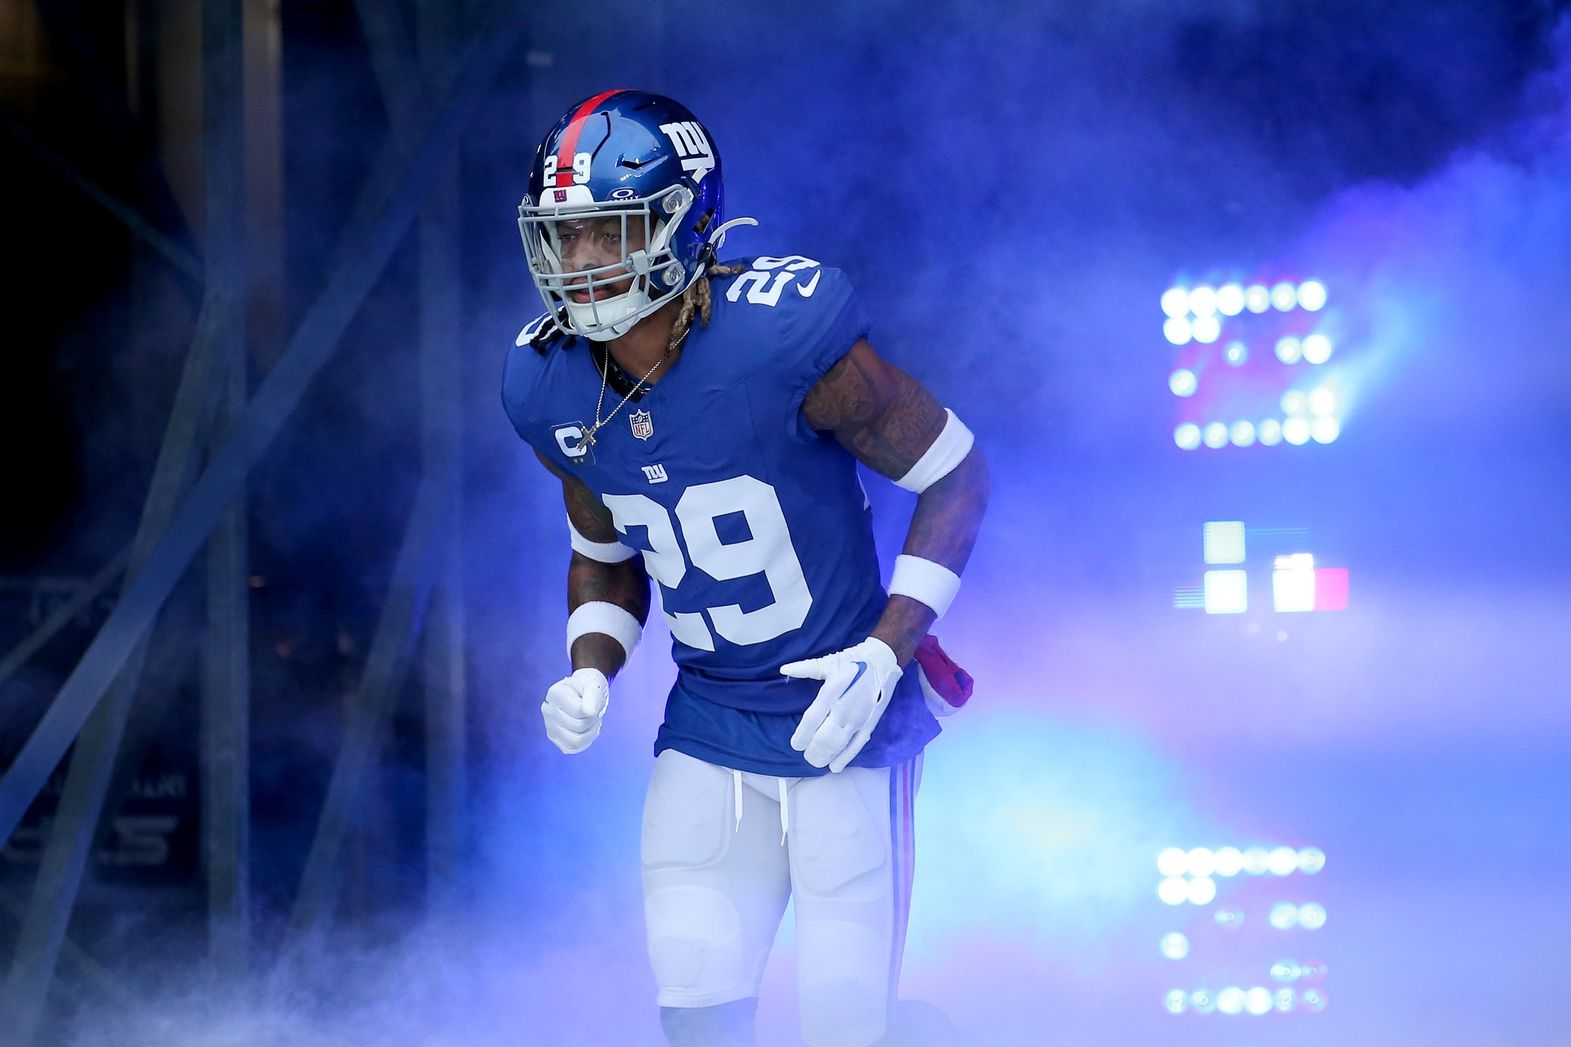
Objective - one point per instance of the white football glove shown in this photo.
(573, 709)
(858, 683)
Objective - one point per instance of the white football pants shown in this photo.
(724, 850)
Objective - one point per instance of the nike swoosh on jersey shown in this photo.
(806, 290)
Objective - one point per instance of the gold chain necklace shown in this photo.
(605, 376)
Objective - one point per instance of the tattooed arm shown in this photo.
(624, 584)
(887, 420)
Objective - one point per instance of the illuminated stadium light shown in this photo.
(1202, 301)
(1229, 919)
(1223, 541)
(1182, 382)
(1269, 432)
(1202, 891)
(1285, 1000)
(1175, 302)
(1230, 1000)
(1292, 592)
(1187, 436)
(1296, 431)
(1236, 353)
(1173, 891)
(1284, 296)
(1243, 433)
(1322, 401)
(1317, 348)
(1202, 1002)
(1175, 946)
(1257, 1001)
(1215, 435)
(1286, 971)
(1311, 859)
(1312, 295)
(1229, 861)
(1256, 861)
(1289, 349)
(1294, 402)
(1176, 1001)
(1176, 330)
(1312, 916)
(1312, 972)
(1283, 916)
(1230, 299)
(1257, 299)
(1206, 329)
(1325, 430)
(1314, 999)
(1283, 861)
(1226, 592)
(1200, 862)
(1172, 862)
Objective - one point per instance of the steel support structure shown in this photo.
(92, 705)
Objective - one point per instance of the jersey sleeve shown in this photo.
(819, 329)
(522, 374)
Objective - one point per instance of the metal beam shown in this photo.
(441, 321)
(60, 616)
(386, 668)
(390, 200)
(225, 701)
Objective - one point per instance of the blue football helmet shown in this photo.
(638, 176)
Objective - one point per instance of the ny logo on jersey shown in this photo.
(692, 145)
(655, 473)
(643, 424)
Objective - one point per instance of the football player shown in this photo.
(705, 420)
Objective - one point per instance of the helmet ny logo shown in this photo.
(692, 146)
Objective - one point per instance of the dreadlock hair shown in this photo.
(696, 300)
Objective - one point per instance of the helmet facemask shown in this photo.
(652, 273)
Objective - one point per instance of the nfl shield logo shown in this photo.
(643, 425)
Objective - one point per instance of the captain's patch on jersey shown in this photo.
(570, 438)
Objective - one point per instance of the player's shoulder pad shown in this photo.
(539, 333)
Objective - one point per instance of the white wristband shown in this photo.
(925, 582)
(598, 616)
(947, 450)
(601, 552)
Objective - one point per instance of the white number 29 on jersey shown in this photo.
(768, 552)
(770, 276)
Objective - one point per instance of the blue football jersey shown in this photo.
(754, 526)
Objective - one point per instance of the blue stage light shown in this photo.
(1230, 1000)
(1289, 349)
(1269, 432)
(1236, 353)
(1322, 401)
(1243, 433)
(1283, 916)
(1214, 435)
(1172, 862)
(1182, 382)
(1257, 299)
(1176, 330)
(1229, 860)
(1311, 860)
(1312, 916)
(1284, 296)
(1174, 946)
(1173, 890)
(1202, 301)
(1187, 436)
(1202, 890)
(1286, 971)
(1296, 431)
(1176, 1001)
(1294, 402)
(1206, 329)
(1257, 1001)
(1200, 862)
(1175, 302)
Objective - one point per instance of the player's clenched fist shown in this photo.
(573, 709)
(858, 683)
